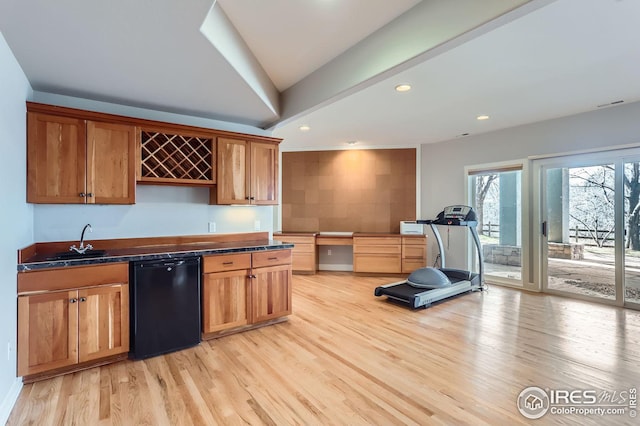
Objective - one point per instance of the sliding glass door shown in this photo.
(579, 230)
(631, 182)
(590, 226)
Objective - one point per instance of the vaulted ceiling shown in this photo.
(333, 64)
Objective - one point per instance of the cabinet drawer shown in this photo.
(377, 263)
(377, 241)
(226, 262)
(304, 248)
(414, 241)
(73, 277)
(295, 239)
(391, 249)
(414, 252)
(271, 258)
(410, 265)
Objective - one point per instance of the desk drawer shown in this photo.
(271, 258)
(226, 262)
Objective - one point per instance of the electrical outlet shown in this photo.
(329, 252)
(212, 227)
(256, 225)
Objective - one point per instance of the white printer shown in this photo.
(411, 227)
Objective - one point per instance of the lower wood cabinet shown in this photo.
(414, 253)
(377, 254)
(245, 289)
(62, 328)
(304, 253)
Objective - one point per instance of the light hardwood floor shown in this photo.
(346, 357)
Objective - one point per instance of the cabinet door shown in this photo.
(56, 167)
(103, 321)
(270, 292)
(264, 173)
(224, 300)
(233, 184)
(47, 331)
(110, 163)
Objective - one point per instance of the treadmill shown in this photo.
(428, 285)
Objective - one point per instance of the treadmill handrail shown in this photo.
(476, 241)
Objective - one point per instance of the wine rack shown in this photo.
(177, 159)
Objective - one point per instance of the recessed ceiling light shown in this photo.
(352, 142)
(304, 128)
(403, 87)
(482, 117)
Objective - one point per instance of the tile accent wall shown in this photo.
(351, 190)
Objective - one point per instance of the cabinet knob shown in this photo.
(251, 276)
(247, 198)
(83, 299)
(73, 300)
(90, 194)
(82, 194)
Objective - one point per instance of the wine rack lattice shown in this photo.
(167, 156)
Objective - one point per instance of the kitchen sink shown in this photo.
(75, 255)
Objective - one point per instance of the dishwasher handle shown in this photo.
(168, 263)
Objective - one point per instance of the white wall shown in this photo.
(159, 211)
(16, 214)
(444, 180)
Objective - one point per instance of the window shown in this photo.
(496, 194)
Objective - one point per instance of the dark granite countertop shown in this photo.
(158, 252)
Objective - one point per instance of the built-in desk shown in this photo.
(372, 252)
(334, 239)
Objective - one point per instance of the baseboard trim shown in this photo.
(335, 267)
(10, 400)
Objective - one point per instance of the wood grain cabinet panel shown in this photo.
(271, 293)
(56, 152)
(247, 172)
(103, 321)
(304, 253)
(248, 294)
(414, 253)
(47, 332)
(63, 327)
(111, 161)
(224, 299)
(377, 254)
(75, 161)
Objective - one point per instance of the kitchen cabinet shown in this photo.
(247, 172)
(72, 316)
(414, 253)
(224, 291)
(243, 290)
(176, 157)
(377, 254)
(75, 161)
(304, 253)
(271, 285)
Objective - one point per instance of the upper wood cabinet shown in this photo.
(176, 157)
(247, 172)
(75, 161)
(84, 157)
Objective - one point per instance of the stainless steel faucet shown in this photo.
(82, 249)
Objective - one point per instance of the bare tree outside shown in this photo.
(592, 203)
(484, 184)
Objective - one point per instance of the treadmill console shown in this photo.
(458, 215)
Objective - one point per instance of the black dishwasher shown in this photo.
(165, 306)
